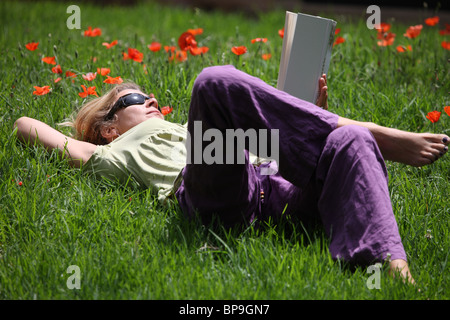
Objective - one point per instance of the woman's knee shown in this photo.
(215, 77)
(351, 141)
(351, 134)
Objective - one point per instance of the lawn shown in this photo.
(126, 245)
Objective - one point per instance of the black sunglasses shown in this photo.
(126, 101)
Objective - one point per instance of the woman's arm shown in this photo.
(31, 130)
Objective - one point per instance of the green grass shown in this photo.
(125, 243)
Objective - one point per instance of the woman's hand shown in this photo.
(322, 100)
(30, 131)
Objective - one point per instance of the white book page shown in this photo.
(289, 31)
(308, 57)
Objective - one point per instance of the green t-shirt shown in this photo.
(153, 153)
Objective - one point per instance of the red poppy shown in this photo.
(133, 54)
(87, 92)
(170, 48)
(266, 56)
(337, 31)
(195, 31)
(111, 80)
(387, 40)
(198, 50)
(413, 31)
(433, 116)
(445, 45)
(447, 110)
(403, 48)
(40, 91)
(57, 69)
(239, 50)
(383, 27)
(166, 110)
(446, 31)
(57, 80)
(281, 33)
(49, 60)
(109, 45)
(432, 21)
(32, 46)
(259, 40)
(154, 46)
(338, 41)
(187, 40)
(92, 32)
(103, 71)
(179, 55)
(89, 76)
(70, 74)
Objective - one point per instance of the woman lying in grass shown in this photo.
(329, 168)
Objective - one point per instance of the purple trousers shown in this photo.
(337, 175)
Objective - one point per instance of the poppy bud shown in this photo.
(76, 54)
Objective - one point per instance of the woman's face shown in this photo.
(135, 114)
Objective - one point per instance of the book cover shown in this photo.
(306, 54)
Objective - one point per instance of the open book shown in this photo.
(306, 54)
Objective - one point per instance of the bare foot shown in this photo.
(415, 149)
(400, 267)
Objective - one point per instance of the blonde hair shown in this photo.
(90, 119)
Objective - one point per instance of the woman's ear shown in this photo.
(109, 133)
